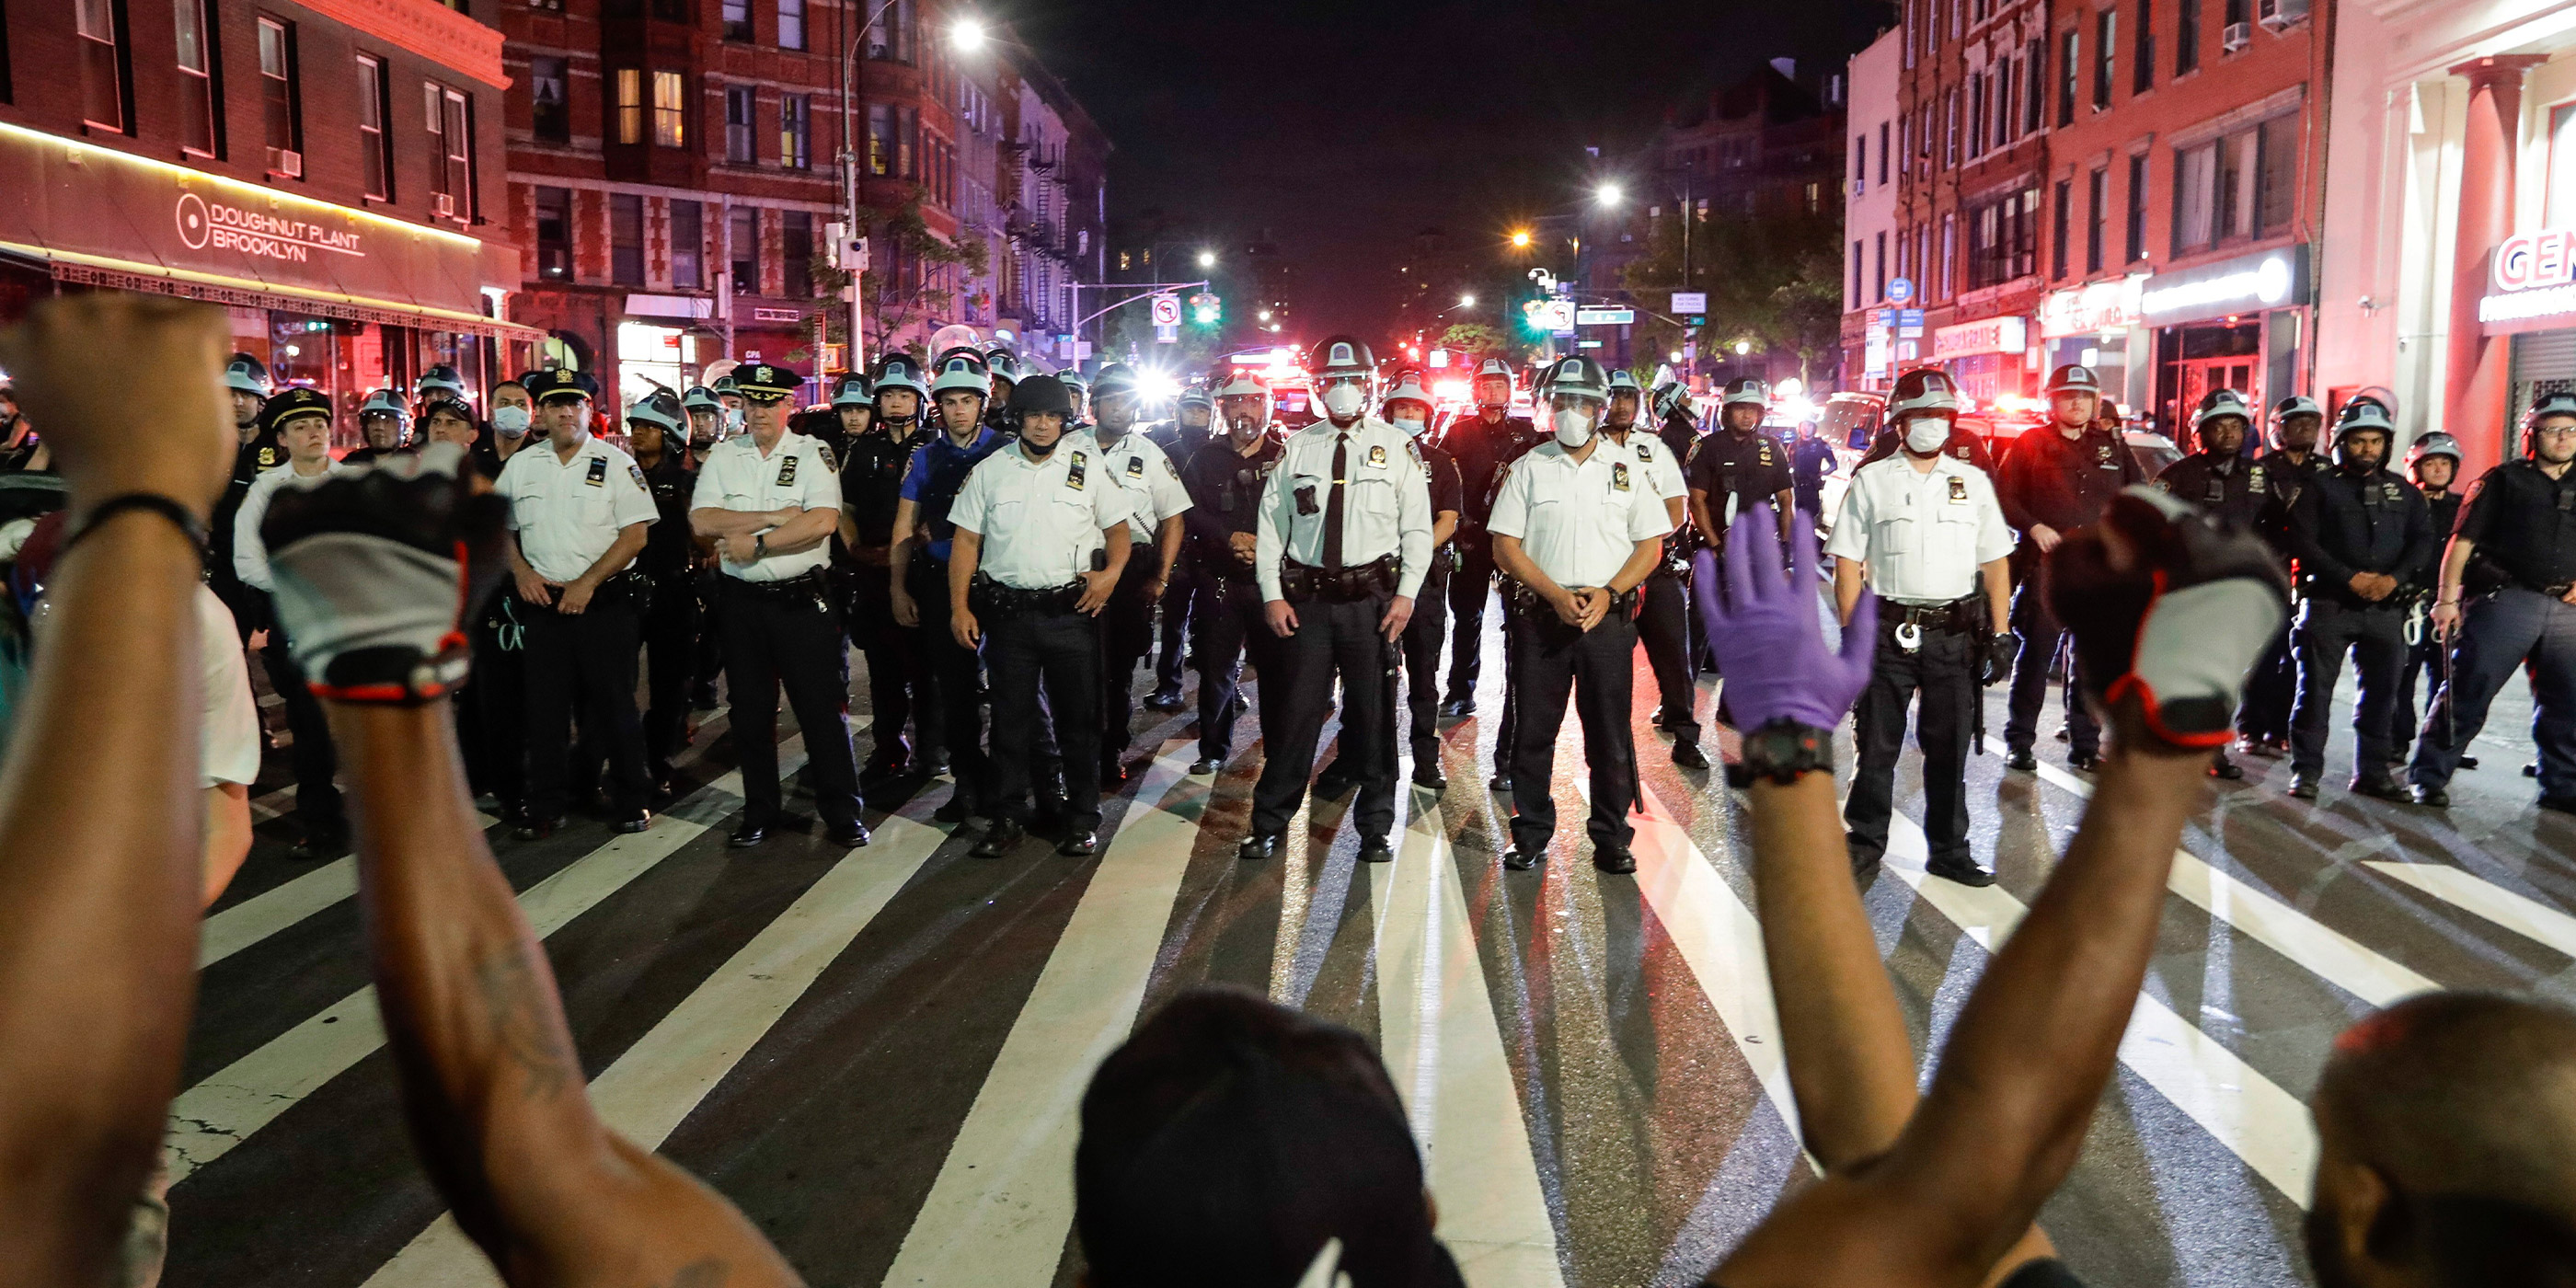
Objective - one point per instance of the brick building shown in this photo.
(331, 174)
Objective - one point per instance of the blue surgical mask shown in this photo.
(510, 420)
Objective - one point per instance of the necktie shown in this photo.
(1333, 505)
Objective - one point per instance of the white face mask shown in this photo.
(1925, 435)
(1573, 428)
(1413, 425)
(1342, 402)
(510, 420)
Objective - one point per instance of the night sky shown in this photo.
(1346, 128)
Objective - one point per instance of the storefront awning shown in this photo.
(126, 275)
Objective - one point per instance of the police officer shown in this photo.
(1577, 527)
(2057, 478)
(384, 423)
(898, 659)
(2263, 721)
(580, 509)
(1739, 468)
(854, 408)
(2362, 536)
(1481, 445)
(1155, 502)
(1663, 618)
(669, 591)
(2221, 480)
(917, 577)
(770, 501)
(1005, 369)
(299, 421)
(1225, 483)
(1676, 421)
(1343, 545)
(2433, 460)
(706, 419)
(1963, 446)
(1041, 540)
(1811, 458)
(439, 380)
(246, 381)
(1408, 407)
(1924, 530)
(1079, 390)
(2508, 601)
(1181, 437)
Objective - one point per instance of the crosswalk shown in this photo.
(878, 1053)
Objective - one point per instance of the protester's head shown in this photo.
(2446, 1134)
(1231, 1137)
(446, 418)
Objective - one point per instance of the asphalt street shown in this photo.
(877, 1053)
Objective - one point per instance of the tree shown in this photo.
(1774, 280)
(904, 284)
(1482, 342)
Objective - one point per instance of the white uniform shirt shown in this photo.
(1040, 520)
(250, 553)
(1578, 520)
(797, 472)
(1386, 505)
(568, 514)
(228, 742)
(1921, 537)
(1152, 482)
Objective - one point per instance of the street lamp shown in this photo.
(1466, 301)
(1743, 347)
(967, 35)
(1265, 315)
(1520, 238)
(1607, 194)
(1207, 259)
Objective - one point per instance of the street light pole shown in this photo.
(850, 189)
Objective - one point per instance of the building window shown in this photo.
(1949, 251)
(742, 238)
(671, 10)
(737, 19)
(196, 77)
(2100, 192)
(796, 252)
(278, 108)
(1978, 89)
(669, 111)
(2137, 207)
(2068, 59)
(548, 80)
(1882, 154)
(554, 234)
(907, 139)
(791, 24)
(375, 155)
(2106, 43)
(880, 137)
(1878, 268)
(1950, 131)
(451, 151)
(2277, 186)
(2061, 222)
(102, 55)
(688, 245)
(1860, 163)
(796, 131)
(2003, 240)
(2235, 188)
(628, 90)
(891, 35)
(626, 238)
(738, 144)
(2187, 38)
(1857, 264)
(2142, 60)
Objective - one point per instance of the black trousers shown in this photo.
(2499, 634)
(1422, 639)
(584, 662)
(2271, 689)
(710, 630)
(956, 677)
(317, 797)
(1126, 625)
(1548, 659)
(1180, 608)
(1942, 676)
(497, 689)
(2042, 641)
(1470, 586)
(670, 628)
(1228, 626)
(2403, 718)
(898, 661)
(789, 639)
(2375, 638)
(1061, 652)
(1332, 639)
(1663, 626)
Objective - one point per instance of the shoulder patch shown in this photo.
(824, 450)
(1175, 470)
(637, 472)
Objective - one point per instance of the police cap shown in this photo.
(763, 383)
(291, 402)
(559, 382)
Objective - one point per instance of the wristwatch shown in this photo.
(1782, 751)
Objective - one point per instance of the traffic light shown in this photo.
(1206, 309)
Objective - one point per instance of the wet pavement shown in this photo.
(877, 1053)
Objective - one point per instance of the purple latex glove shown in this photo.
(1769, 641)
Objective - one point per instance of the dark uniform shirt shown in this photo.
(1225, 498)
(872, 482)
(668, 542)
(2524, 524)
(2048, 479)
(1680, 434)
(1810, 460)
(1179, 443)
(1480, 451)
(1962, 445)
(1440, 470)
(2283, 480)
(1750, 466)
(262, 452)
(2229, 486)
(2350, 521)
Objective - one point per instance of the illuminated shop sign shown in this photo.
(2247, 283)
(2094, 306)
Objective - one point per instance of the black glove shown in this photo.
(2171, 604)
(1996, 663)
(376, 568)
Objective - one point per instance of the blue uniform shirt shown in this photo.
(916, 479)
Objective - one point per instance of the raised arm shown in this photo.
(100, 815)
(368, 590)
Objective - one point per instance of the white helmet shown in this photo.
(2222, 402)
(962, 371)
(1408, 388)
(1922, 389)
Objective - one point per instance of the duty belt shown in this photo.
(990, 598)
(1965, 615)
(808, 583)
(1302, 582)
(1622, 603)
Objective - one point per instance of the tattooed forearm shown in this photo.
(515, 1002)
